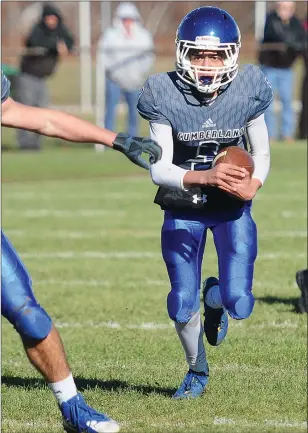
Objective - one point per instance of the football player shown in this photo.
(301, 278)
(207, 104)
(40, 338)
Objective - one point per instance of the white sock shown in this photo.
(191, 336)
(64, 390)
(213, 297)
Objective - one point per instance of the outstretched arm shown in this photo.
(53, 123)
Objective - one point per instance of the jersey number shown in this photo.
(206, 152)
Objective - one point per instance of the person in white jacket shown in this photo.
(126, 55)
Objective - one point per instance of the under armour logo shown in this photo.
(197, 198)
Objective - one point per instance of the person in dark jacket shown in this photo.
(284, 40)
(303, 120)
(48, 41)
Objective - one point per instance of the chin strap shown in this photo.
(209, 98)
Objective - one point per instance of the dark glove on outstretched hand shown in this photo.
(133, 147)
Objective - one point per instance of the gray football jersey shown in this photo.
(5, 88)
(200, 130)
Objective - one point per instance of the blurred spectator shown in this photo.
(48, 41)
(126, 54)
(284, 40)
(303, 120)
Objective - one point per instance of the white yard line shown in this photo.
(115, 365)
(100, 195)
(63, 213)
(115, 325)
(73, 255)
(293, 214)
(152, 326)
(100, 283)
(75, 283)
(119, 255)
(129, 283)
(129, 232)
(16, 424)
(281, 255)
(85, 234)
(20, 425)
(282, 234)
(265, 423)
(157, 326)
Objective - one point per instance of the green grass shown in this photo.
(81, 204)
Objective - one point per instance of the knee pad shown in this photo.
(18, 303)
(243, 307)
(180, 309)
(32, 321)
(241, 304)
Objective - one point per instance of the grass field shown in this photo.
(87, 230)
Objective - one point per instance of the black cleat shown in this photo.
(302, 282)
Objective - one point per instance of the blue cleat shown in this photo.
(78, 417)
(193, 385)
(215, 320)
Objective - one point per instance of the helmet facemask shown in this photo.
(215, 76)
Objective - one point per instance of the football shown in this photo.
(236, 156)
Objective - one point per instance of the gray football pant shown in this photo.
(30, 91)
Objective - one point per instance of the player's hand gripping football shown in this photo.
(247, 188)
(133, 147)
(226, 177)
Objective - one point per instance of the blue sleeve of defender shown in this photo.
(263, 94)
(5, 88)
(147, 106)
